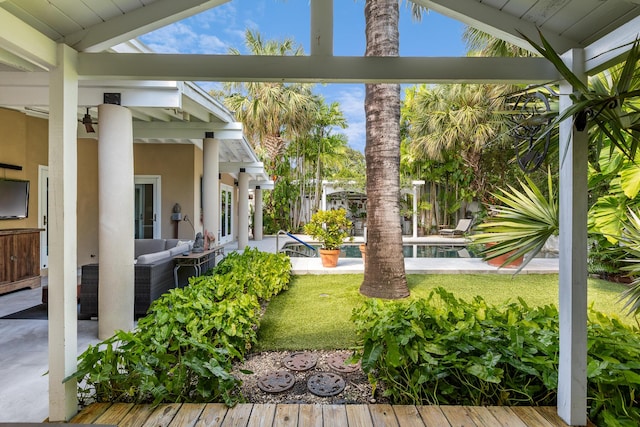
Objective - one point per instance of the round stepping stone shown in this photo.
(326, 384)
(337, 363)
(276, 382)
(300, 361)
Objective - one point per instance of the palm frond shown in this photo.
(520, 226)
(630, 242)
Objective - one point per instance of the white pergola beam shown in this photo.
(32, 89)
(495, 22)
(25, 42)
(263, 184)
(249, 167)
(314, 69)
(607, 51)
(201, 97)
(184, 130)
(322, 27)
(137, 22)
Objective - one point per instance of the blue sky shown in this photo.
(216, 30)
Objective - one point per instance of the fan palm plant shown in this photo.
(521, 226)
(630, 242)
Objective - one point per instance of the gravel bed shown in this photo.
(357, 389)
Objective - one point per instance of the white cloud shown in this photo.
(351, 99)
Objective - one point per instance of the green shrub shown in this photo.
(261, 273)
(182, 350)
(443, 350)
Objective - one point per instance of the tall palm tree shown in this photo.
(384, 274)
(272, 113)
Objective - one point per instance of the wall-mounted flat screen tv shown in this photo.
(14, 199)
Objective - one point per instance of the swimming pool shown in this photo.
(419, 250)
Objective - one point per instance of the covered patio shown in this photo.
(58, 46)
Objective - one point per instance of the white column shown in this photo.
(416, 184)
(257, 215)
(63, 275)
(116, 220)
(323, 205)
(210, 185)
(243, 209)
(572, 373)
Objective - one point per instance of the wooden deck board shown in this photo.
(432, 416)
(162, 415)
(213, 415)
(531, 417)
(458, 416)
(308, 415)
(408, 415)
(262, 415)
(286, 415)
(383, 416)
(238, 416)
(334, 415)
(481, 416)
(187, 415)
(114, 414)
(89, 414)
(137, 416)
(506, 417)
(359, 416)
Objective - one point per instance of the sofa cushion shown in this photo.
(147, 246)
(178, 250)
(153, 258)
(171, 243)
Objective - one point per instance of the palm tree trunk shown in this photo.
(384, 274)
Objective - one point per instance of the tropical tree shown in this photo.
(272, 113)
(352, 168)
(329, 148)
(456, 121)
(384, 273)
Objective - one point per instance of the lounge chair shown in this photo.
(463, 226)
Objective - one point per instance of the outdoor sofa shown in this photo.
(153, 275)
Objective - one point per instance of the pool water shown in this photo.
(409, 251)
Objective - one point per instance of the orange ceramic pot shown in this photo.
(329, 257)
(498, 261)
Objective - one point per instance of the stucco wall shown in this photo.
(88, 206)
(175, 165)
(23, 142)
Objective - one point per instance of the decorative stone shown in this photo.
(276, 382)
(326, 384)
(337, 363)
(300, 361)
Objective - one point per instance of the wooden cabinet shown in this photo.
(19, 259)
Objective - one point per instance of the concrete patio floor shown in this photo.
(24, 346)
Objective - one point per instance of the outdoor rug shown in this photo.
(37, 312)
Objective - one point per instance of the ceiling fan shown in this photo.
(88, 122)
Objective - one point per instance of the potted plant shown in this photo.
(329, 228)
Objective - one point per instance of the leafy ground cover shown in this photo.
(315, 313)
(446, 350)
(183, 349)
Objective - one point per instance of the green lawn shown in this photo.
(315, 312)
